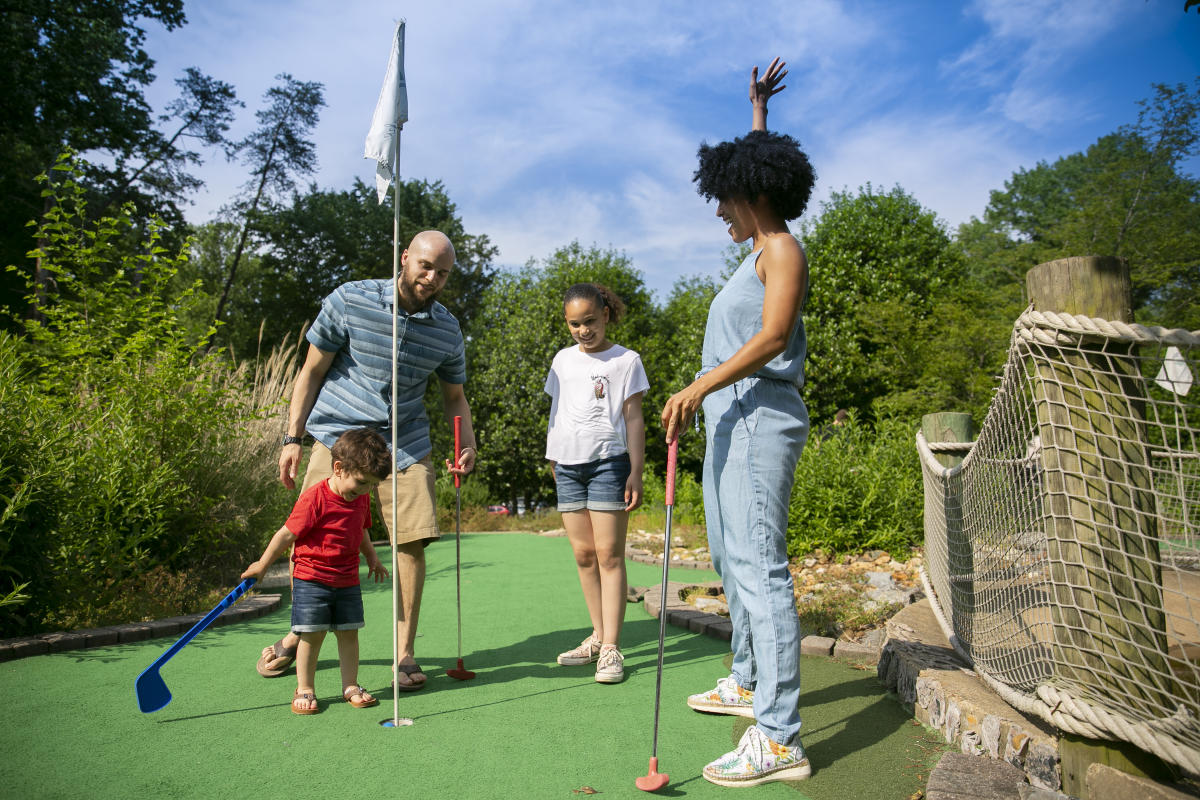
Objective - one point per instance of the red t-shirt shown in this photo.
(329, 531)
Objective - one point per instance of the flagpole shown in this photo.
(383, 146)
(395, 376)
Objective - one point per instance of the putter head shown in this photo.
(653, 780)
(152, 691)
(460, 674)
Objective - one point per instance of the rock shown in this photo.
(874, 638)
(880, 580)
(958, 776)
(897, 596)
(1028, 792)
(711, 605)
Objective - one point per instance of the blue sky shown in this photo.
(555, 121)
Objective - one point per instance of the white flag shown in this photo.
(391, 112)
(1174, 375)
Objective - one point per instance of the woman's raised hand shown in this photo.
(763, 90)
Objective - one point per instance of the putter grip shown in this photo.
(672, 457)
(237, 592)
(457, 448)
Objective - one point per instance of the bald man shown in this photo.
(346, 383)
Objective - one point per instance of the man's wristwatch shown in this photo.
(292, 440)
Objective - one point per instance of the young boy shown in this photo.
(327, 525)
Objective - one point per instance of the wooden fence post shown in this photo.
(1101, 529)
(953, 426)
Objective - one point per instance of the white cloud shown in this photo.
(1028, 45)
(551, 121)
(948, 164)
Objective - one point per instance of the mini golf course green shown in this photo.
(523, 728)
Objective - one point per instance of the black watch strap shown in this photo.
(292, 440)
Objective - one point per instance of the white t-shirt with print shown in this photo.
(588, 391)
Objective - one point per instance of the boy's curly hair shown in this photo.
(364, 451)
(759, 163)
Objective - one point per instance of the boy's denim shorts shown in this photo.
(317, 607)
(596, 485)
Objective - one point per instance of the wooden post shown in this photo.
(1101, 529)
(952, 426)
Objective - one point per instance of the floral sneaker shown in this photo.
(757, 760)
(610, 668)
(727, 698)
(587, 652)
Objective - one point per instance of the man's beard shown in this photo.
(408, 291)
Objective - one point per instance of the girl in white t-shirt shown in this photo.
(597, 445)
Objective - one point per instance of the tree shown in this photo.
(514, 337)
(276, 151)
(1124, 196)
(322, 239)
(73, 78)
(672, 361)
(877, 264)
(202, 113)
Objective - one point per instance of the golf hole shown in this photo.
(392, 723)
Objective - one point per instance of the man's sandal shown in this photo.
(307, 697)
(352, 692)
(274, 653)
(409, 670)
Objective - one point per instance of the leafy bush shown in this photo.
(689, 497)
(857, 488)
(131, 457)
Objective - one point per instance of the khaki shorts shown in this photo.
(415, 512)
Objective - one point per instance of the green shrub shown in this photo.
(858, 488)
(689, 496)
(130, 455)
(474, 492)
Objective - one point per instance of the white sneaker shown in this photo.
(727, 698)
(757, 760)
(587, 652)
(610, 668)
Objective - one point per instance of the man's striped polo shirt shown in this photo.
(356, 323)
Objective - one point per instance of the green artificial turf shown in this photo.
(524, 728)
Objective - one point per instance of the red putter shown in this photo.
(458, 673)
(655, 780)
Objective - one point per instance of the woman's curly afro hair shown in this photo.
(759, 163)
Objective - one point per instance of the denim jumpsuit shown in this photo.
(756, 429)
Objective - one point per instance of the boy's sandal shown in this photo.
(306, 697)
(409, 670)
(352, 692)
(274, 653)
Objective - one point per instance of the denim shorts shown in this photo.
(318, 607)
(596, 485)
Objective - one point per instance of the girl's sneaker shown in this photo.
(587, 652)
(610, 668)
(727, 698)
(757, 760)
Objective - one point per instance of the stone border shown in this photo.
(249, 607)
(682, 614)
(645, 557)
(933, 681)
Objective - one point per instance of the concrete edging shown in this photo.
(249, 607)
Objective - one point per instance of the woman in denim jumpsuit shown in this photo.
(757, 424)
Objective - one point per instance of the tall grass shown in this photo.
(137, 471)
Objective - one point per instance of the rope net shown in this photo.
(1063, 553)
